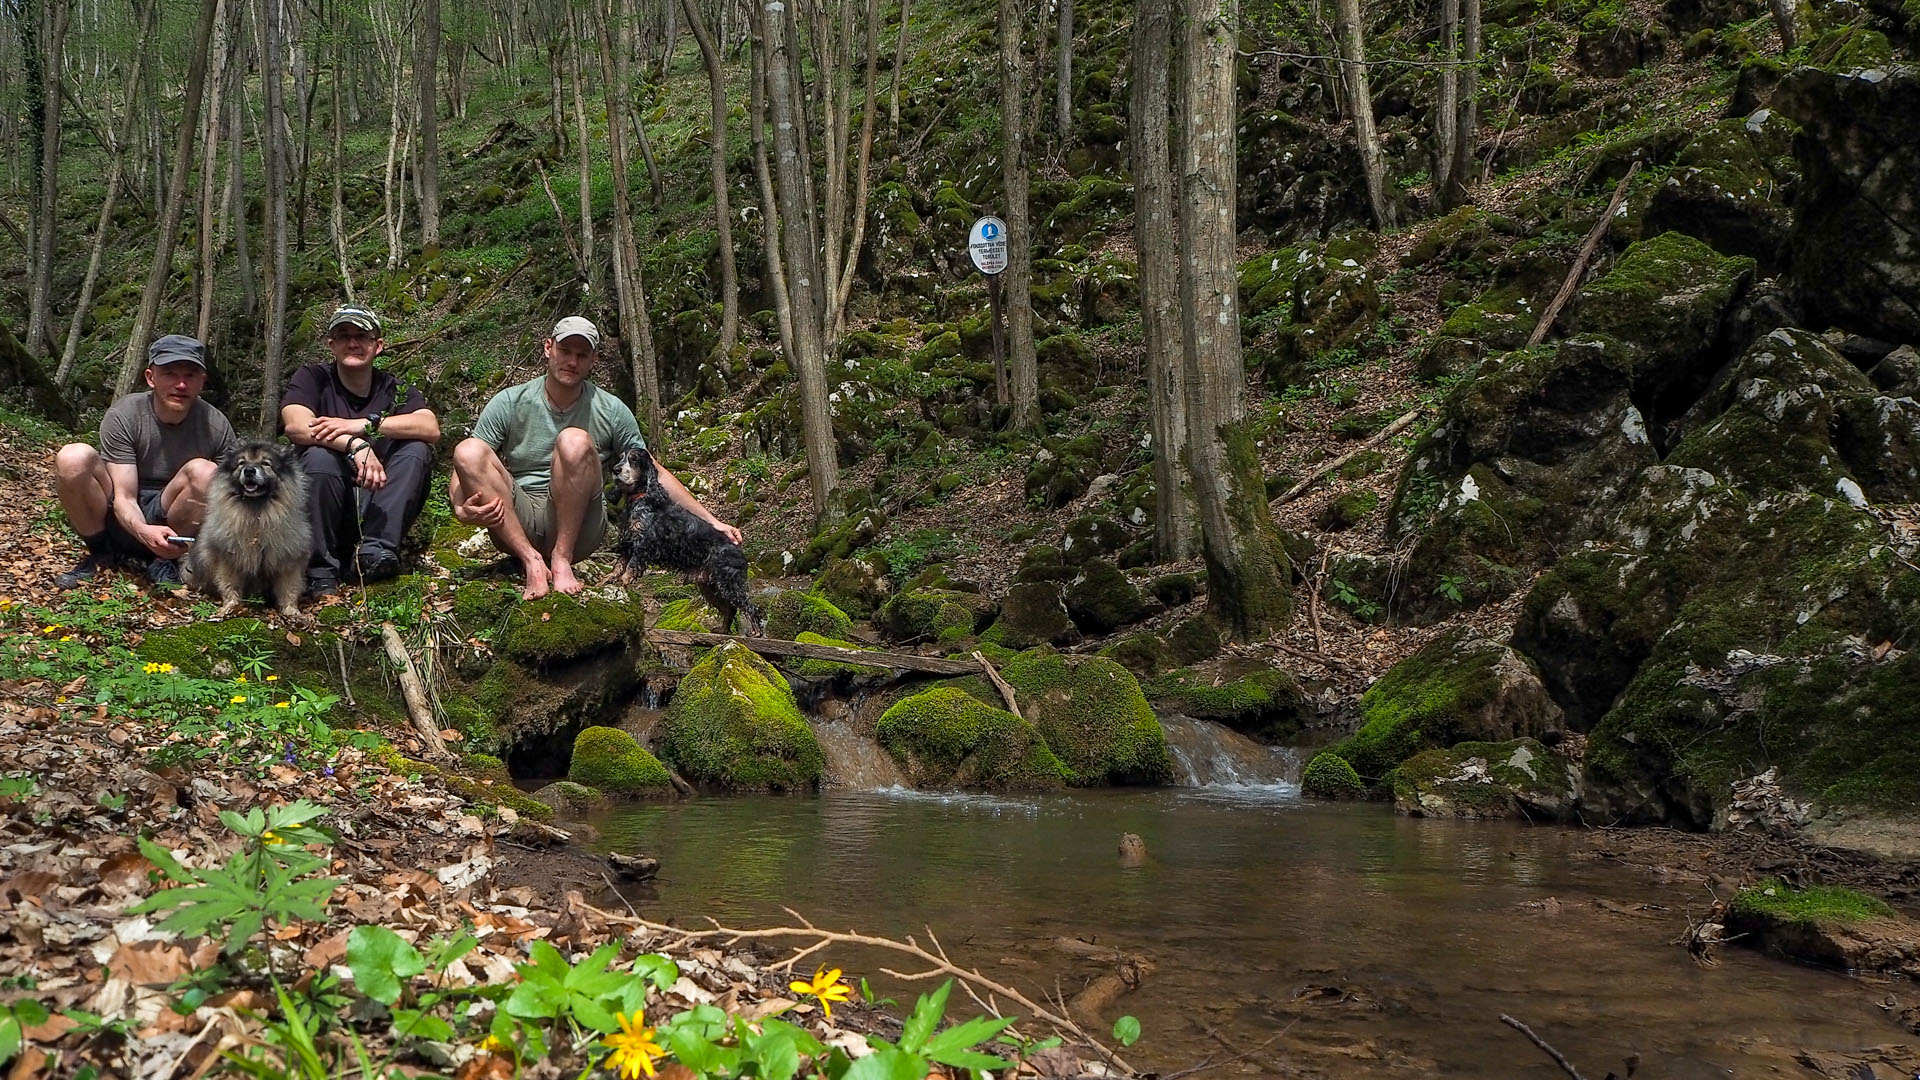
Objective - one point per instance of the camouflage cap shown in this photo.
(350, 315)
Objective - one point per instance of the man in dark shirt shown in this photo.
(149, 479)
(357, 427)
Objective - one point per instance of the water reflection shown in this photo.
(1382, 944)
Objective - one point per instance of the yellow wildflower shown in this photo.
(273, 678)
(151, 668)
(633, 1048)
(66, 637)
(826, 986)
(272, 837)
(51, 629)
(492, 1045)
(239, 678)
(283, 705)
(237, 700)
(166, 669)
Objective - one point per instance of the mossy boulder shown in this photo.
(1092, 713)
(1066, 363)
(1666, 301)
(733, 724)
(931, 614)
(609, 759)
(1099, 599)
(1252, 698)
(1330, 776)
(696, 616)
(1144, 654)
(857, 584)
(558, 628)
(1728, 188)
(809, 668)
(568, 798)
(1515, 779)
(1458, 688)
(837, 541)
(1091, 536)
(1033, 613)
(1827, 926)
(946, 738)
(799, 611)
(1062, 469)
(1348, 510)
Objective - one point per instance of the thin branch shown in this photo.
(1558, 1058)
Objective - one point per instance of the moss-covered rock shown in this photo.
(799, 611)
(568, 798)
(557, 627)
(1099, 599)
(1458, 688)
(1033, 613)
(930, 614)
(1666, 301)
(1727, 187)
(688, 614)
(733, 723)
(1144, 654)
(1330, 776)
(837, 541)
(1828, 926)
(609, 759)
(481, 791)
(1515, 779)
(1255, 699)
(1091, 536)
(945, 737)
(1091, 712)
(1062, 469)
(1348, 510)
(857, 584)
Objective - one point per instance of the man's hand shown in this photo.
(369, 472)
(325, 429)
(728, 531)
(482, 510)
(155, 538)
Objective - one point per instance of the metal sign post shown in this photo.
(987, 247)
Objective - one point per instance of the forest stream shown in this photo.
(1378, 944)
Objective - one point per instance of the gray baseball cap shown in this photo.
(352, 315)
(576, 326)
(177, 349)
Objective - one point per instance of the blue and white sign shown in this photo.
(987, 245)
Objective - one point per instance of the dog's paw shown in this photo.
(228, 610)
(295, 617)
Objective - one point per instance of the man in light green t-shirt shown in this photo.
(533, 473)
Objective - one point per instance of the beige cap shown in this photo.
(576, 326)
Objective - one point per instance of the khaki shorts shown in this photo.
(535, 511)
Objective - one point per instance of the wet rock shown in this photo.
(569, 798)
(733, 723)
(1099, 599)
(1854, 263)
(633, 867)
(611, 762)
(1330, 776)
(1254, 699)
(946, 738)
(1133, 850)
(1486, 780)
(1093, 715)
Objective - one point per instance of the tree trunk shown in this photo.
(426, 76)
(1063, 76)
(805, 276)
(157, 274)
(1247, 586)
(237, 197)
(670, 35)
(275, 155)
(337, 212)
(899, 73)
(837, 321)
(1156, 238)
(1466, 125)
(1446, 107)
(116, 162)
(306, 82)
(635, 330)
(559, 114)
(769, 211)
(717, 145)
(1353, 67)
(394, 207)
(217, 80)
(46, 229)
(596, 285)
(1022, 365)
(1787, 17)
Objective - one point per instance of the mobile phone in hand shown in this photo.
(179, 539)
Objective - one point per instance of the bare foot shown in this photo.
(563, 579)
(537, 580)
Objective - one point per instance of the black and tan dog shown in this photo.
(255, 536)
(656, 531)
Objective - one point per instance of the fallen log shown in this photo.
(419, 707)
(934, 665)
(1388, 432)
(1091, 1005)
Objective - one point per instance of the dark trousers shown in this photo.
(335, 505)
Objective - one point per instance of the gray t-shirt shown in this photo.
(132, 434)
(521, 425)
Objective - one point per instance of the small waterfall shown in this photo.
(1206, 754)
(854, 762)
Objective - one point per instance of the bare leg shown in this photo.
(576, 476)
(185, 497)
(81, 479)
(479, 477)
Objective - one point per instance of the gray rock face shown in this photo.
(1729, 187)
(1855, 243)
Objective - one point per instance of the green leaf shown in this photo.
(10, 1037)
(926, 1016)
(956, 1040)
(889, 1064)
(591, 1013)
(1127, 1030)
(29, 1012)
(659, 970)
(168, 865)
(442, 951)
(415, 1024)
(381, 961)
(779, 1059)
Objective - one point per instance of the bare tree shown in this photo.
(1466, 121)
(1353, 69)
(1156, 238)
(142, 333)
(1246, 566)
(1786, 15)
(223, 39)
(52, 34)
(1446, 106)
(272, 77)
(336, 212)
(717, 144)
(596, 287)
(848, 257)
(1023, 365)
(236, 208)
(1063, 75)
(776, 275)
(899, 73)
(426, 76)
(116, 164)
(636, 331)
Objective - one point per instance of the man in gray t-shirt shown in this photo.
(534, 471)
(148, 480)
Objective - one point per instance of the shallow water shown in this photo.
(1370, 944)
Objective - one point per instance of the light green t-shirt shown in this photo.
(521, 425)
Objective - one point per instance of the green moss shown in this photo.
(482, 791)
(1815, 904)
(795, 612)
(1518, 773)
(1262, 701)
(1329, 776)
(568, 797)
(1418, 704)
(1092, 714)
(1144, 654)
(926, 613)
(487, 767)
(1665, 297)
(1348, 510)
(827, 669)
(609, 759)
(558, 627)
(734, 723)
(694, 616)
(195, 647)
(944, 737)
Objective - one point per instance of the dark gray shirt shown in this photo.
(132, 434)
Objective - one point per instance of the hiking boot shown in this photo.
(378, 563)
(83, 571)
(319, 587)
(164, 572)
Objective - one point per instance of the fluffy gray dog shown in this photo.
(255, 536)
